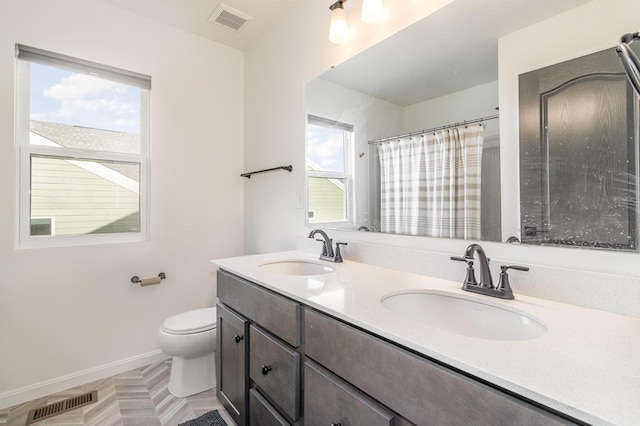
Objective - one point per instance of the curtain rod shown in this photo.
(421, 132)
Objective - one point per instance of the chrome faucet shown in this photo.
(485, 286)
(327, 247)
(485, 281)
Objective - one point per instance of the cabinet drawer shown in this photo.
(329, 400)
(410, 385)
(275, 369)
(277, 314)
(262, 413)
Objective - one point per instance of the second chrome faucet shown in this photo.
(485, 286)
(328, 253)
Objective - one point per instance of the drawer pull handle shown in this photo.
(238, 338)
(266, 369)
(336, 424)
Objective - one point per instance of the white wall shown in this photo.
(475, 102)
(372, 118)
(277, 66)
(71, 313)
(280, 63)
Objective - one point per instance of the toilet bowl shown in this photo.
(190, 338)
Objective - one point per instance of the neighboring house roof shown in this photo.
(312, 165)
(88, 138)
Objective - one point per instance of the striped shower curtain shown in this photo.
(430, 184)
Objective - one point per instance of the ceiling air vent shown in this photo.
(229, 17)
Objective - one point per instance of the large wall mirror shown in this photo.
(438, 83)
(579, 154)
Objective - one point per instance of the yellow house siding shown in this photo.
(326, 199)
(80, 201)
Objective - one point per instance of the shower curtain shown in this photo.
(430, 184)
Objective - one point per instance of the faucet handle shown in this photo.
(503, 284)
(338, 256)
(470, 278)
(504, 268)
(324, 246)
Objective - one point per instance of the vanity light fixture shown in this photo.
(372, 11)
(338, 29)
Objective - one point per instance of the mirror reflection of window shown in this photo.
(329, 146)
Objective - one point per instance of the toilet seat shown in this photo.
(191, 322)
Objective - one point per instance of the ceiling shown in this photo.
(442, 50)
(453, 49)
(192, 16)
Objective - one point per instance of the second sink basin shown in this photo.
(449, 312)
(296, 267)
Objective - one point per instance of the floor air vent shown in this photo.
(229, 17)
(60, 407)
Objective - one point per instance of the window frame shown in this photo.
(25, 150)
(347, 175)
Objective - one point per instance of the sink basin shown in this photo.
(296, 267)
(455, 314)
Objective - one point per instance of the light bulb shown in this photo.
(372, 11)
(338, 29)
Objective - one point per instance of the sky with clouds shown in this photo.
(65, 97)
(325, 147)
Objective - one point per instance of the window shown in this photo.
(329, 180)
(42, 225)
(82, 136)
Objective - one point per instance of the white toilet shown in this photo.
(190, 338)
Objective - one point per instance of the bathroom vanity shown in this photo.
(259, 348)
(302, 345)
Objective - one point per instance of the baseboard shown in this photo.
(48, 387)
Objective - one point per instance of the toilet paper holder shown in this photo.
(148, 281)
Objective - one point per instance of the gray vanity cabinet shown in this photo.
(279, 315)
(273, 375)
(275, 369)
(332, 401)
(232, 360)
(263, 413)
(418, 389)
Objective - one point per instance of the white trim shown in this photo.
(145, 161)
(47, 387)
(108, 174)
(334, 177)
(21, 130)
(45, 241)
(36, 139)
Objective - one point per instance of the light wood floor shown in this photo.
(139, 397)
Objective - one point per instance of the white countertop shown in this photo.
(587, 365)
